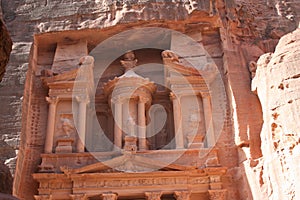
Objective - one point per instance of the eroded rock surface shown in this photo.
(277, 83)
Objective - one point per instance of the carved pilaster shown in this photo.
(217, 194)
(51, 123)
(182, 195)
(153, 195)
(210, 135)
(109, 196)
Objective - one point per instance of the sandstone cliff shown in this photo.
(5, 49)
(277, 83)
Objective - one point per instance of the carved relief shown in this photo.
(67, 135)
(129, 61)
(182, 195)
(153, 195)
(109, 196)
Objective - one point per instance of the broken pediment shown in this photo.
(128, 163)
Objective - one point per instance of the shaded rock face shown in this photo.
(5, 48)
(5, 150)
(277, 83)
(5, 179)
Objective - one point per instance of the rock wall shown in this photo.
(249, 29)
(5, 49)
(277, 84)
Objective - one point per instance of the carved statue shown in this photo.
(171, 55)
(66, 140)
(68, 127)
(129, 61)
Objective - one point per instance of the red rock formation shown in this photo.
(248, 29)
(277, 82)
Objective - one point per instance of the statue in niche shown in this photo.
(66, 139)
(67, 128)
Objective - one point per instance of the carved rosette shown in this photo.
(153, 195)
(217, 194)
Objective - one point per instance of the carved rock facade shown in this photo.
(234, 33)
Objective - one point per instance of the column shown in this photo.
(83, 101)
(51, 123)
(217, 194)
(118, 124)
(179, 139)
(109, 196)
(210, 135)
(142, 124)
(153, 195)
(182, 195)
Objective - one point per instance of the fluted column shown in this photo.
(210, 135)
(83, 101)
(109, 196)
(142, 124)
(179, 139)
(118, 124)
(153, 195)
(182, 195)
(51, 123)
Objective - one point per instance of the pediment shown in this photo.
(128, 163)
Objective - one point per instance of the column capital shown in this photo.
(143, 99)
(205, 94)
(182, 195)
(52, 100)
(43, 197)
(82, 99)
(110, 196)
(153, 195)
(174, 96)
(117, 99)
(78, 196)
(217, 194)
